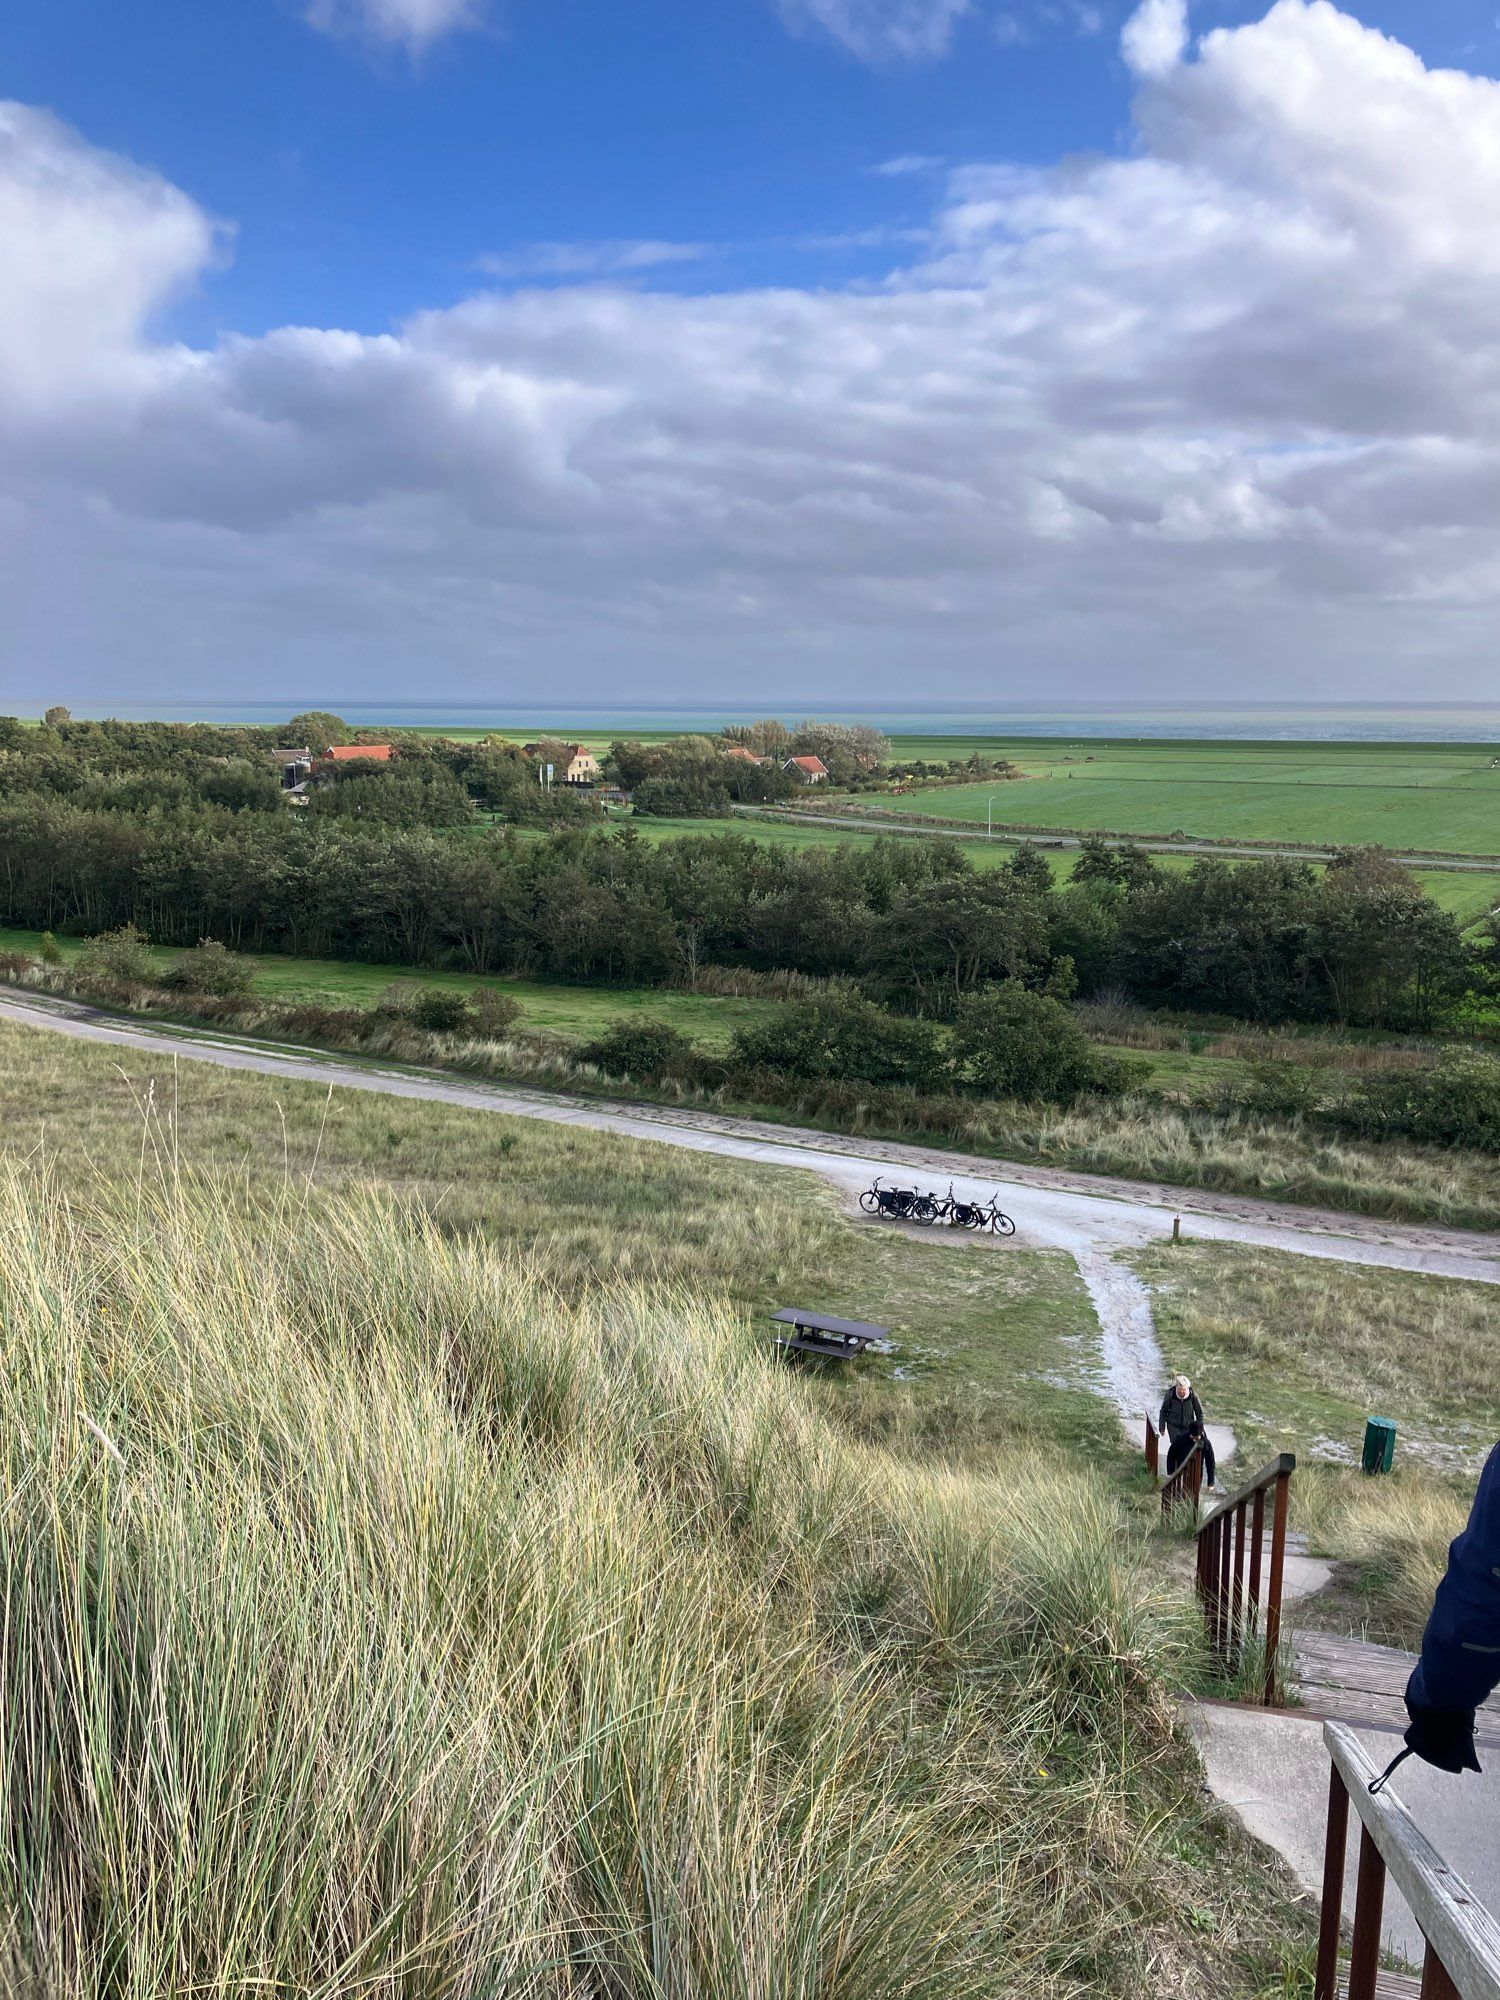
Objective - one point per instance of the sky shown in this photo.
(771, 352)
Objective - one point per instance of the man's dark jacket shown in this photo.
(1460, 1663)
(1180, 1416)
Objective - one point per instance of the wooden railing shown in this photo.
(1234, 1564)
(1462, 1959)
(1183, 1485)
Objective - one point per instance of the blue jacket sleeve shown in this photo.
(1460, 1663)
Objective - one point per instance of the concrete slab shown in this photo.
(1269, 1768)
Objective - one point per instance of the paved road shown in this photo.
(1153, 844)
(1053, 1208)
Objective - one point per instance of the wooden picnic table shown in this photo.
(823, 1333)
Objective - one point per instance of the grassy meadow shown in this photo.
(1432, 797)
(417, 1579)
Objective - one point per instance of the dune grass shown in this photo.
(381, 1620)
(1296, 1352)
(1392, 1533)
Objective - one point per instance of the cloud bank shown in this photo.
(1220, 415)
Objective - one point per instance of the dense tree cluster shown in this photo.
(911, 920)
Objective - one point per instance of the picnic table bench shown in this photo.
(822, 1333)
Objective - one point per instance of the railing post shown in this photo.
(1273, 1583)
(1257, 1538)
(1369, 1903)
(1153, 1450)
(1335, 1846)
(1436, 1985)
(1226, 1602)
(1237, 1598)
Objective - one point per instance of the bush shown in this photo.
(49, 951)
(844, 1037)
(212, 969)
(1280, 1090)
(1008, 1042)
(438, 1010)
(1455, 1103)
(494, 1013)
(639, 1049)
(120, 958)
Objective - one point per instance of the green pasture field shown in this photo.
(1467, 894)
(573, 1012)
(1433, 797)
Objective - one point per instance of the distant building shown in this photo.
(572, 763)
(351, 753)
(806, 770)
(295, 767)
(744, 756)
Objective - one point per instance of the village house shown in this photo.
(573, 763)
(806, 770)
(352, 753)
(744, 756)
(295, 766)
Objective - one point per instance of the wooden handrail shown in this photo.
(1231, 1569)
(1267, 1476)
(1463, 1939)
(1186, 1483)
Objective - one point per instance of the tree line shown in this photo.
(914, 921)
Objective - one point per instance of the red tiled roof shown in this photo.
(344, 753)
(814, 764)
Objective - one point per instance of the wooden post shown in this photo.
(1335, 1845)
(1436, 1985)
(1369, 1901)
(1176, 1228)
(1153, 1450)
(1273, 1583)
(1257, 1539)
(1237, 1599)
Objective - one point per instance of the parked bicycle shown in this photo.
(917, 1205)
(895, 1204)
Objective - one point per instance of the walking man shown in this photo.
(1180, 1420)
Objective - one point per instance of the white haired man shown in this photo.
(1180, 1421)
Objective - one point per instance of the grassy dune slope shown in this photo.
(392, 1610)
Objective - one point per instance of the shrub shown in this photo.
(1280, 1090)
(49, 951)
(439, 1010)
(842, 1036)
(494, 1013)
(640, 1049)
(1455, 1103)
(120, 958)
(1008, 1042)
(210, 968)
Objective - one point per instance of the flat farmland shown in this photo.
(1432, 796)
(1469, 895)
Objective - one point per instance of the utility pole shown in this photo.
(989, 817)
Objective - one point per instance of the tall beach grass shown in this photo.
(377, 1621)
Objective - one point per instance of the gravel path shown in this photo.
(1091, 1217)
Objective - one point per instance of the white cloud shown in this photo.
(1155, 37)
(1220, 414)
(882, 30)
(588, 260)
(413, 23)
(906, 163)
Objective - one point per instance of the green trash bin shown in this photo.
(1380, 1444)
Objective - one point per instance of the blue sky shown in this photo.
(364, 180)
(844, 345)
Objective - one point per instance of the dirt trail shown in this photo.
(1092, 1218)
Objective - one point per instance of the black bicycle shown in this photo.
(962, 1214)
(996, 1219)
(895, 1204)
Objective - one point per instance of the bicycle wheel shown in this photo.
(924, 1209)
(869, 1201)
(1001, 1223)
